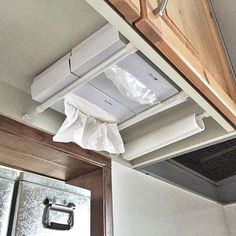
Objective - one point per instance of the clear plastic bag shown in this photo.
(130, 87)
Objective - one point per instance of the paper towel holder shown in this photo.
(162, 137)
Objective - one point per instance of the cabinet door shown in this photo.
(187, 35)
(130, 9)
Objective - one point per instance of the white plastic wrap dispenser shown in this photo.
(127, 50)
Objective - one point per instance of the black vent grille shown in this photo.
(216, 162)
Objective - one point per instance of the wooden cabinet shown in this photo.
(130, 9)
(187, 36)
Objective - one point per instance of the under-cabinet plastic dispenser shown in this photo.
(101, 91)
(52, 80)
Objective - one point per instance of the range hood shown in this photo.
(209, 171)
(100, 92)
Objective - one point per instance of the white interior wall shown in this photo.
(230, 213)
(144, 206)
(15, 103)
(35, 34)
(226, 14)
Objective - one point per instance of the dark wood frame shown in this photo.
(25, 148)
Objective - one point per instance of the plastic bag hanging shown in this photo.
(130, 87)
(88, 132)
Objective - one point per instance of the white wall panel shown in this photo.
(144, 206)
(230, 213)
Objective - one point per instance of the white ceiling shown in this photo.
(35, 33)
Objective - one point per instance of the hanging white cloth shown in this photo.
(88, 132)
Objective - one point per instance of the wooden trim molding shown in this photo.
(28, 149)
(99, 182)
(26, 132)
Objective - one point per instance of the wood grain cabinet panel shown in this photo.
(187, 35)
(130, 9)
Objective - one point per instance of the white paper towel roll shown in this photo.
(164, 136)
